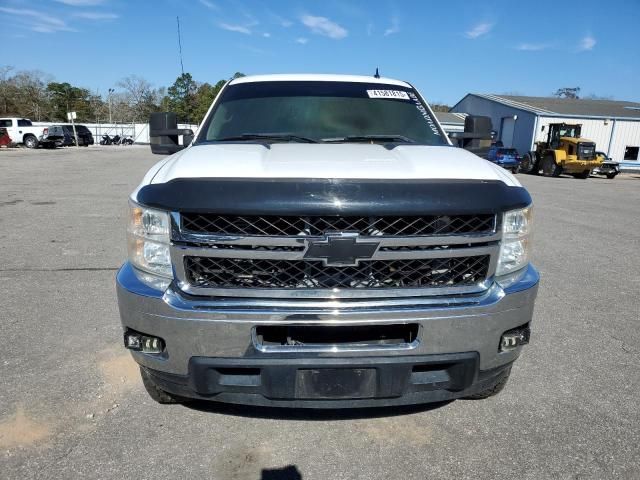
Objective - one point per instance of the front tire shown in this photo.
(611, 176)
(30, 141)
(154, 391)
(529, 164)
(549, 166)
(495, 388)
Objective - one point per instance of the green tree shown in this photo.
(205, 96)
(182, 98)
(64, 98)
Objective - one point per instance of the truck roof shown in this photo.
(311, 77)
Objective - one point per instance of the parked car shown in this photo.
(609, 167)
(507, 158)
(21, 130)
(51, 137)
(349, 258)
(62, 136)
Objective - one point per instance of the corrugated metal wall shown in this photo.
(625, 133)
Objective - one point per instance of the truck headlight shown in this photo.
(516, 242)
(148, 240)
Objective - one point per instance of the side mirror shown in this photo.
(164, 134)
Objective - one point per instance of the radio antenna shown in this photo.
(180, 45)
(377, 75)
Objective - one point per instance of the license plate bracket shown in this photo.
(336, 383)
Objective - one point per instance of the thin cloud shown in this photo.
(479, 30)
(96, 15)
(252, 49)
(235, 28)
(587, 43)
(325, 27)
(394, 28)
(532, 47)
(81, 3)
(208, 4)
(266, 35)
(280, 20)
(37, 21)
(302, 40)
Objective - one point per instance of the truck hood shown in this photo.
(329, 161)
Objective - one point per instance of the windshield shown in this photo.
(321, 111)
(569, 131)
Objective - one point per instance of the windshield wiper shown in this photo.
(371, 138)
(284, 137)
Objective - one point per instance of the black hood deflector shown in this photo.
(285, 196)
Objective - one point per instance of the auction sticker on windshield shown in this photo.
(399, 94)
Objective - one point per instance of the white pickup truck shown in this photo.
(21, 130)
(320, 243)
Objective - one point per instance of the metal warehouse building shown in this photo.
(519, 121)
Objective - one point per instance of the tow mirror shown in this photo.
(164, 134)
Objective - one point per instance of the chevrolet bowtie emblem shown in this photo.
(340, 249)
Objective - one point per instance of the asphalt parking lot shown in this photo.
(72, 404)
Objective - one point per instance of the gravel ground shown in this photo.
(72, 404)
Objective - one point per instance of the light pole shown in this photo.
(111, 90)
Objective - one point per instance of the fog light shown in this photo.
(152, 345)
(512, 339)
(143, 343)
(133, 341)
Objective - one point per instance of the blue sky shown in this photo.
(445, 48)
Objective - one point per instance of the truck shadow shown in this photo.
(311, 414)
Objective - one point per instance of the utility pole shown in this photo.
(111, 90)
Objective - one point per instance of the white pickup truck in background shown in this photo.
(21, 130)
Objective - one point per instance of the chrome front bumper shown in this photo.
(224, 328)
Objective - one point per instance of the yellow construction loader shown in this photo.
(564, 151)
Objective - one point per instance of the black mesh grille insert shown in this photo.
(316, 226)
(211, 272)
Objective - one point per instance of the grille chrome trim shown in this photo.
(318, 225)
(204, 245)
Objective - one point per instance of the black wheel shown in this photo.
(495, 388)
(582, 175)
(30, 141)
(155, 392)
(549, 166)
(529, 164)
(515, 170)
(611, 176)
